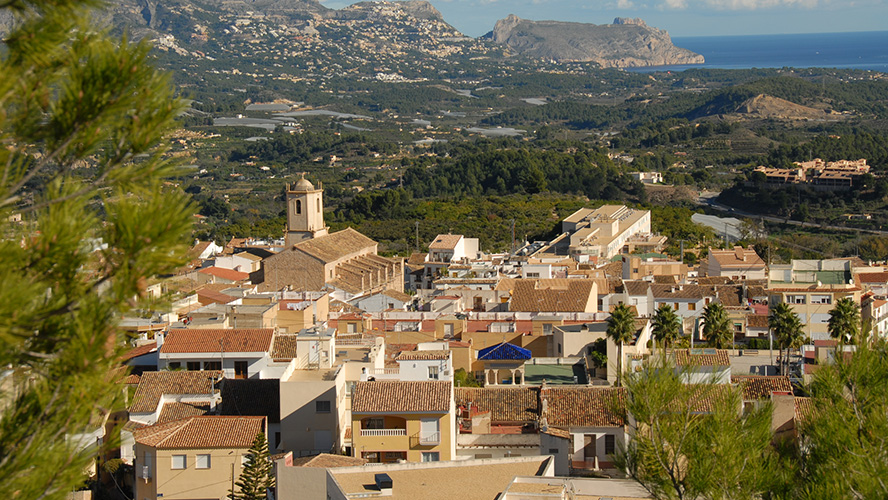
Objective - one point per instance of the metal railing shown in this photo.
(383, 432)
(429, 439)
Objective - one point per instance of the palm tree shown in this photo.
(620, 329)
(717, 326)
(787, 328)
(844, 321)
(666, 326)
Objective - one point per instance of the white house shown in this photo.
(238, 352)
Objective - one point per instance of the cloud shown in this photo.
(675, 4)
(625, 4)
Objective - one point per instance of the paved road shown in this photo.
(708, 199)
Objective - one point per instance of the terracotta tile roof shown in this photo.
(549, 295)
(403, 297)
(336, 245)
(670, 292)
(208, 340)
(713, 280)
(139, 351)
(760, 386)
(283, 347)
(666, 279)
(505, 404)
(396, 396)
(154, 384)
(730, 295)
(880, 278)
(757, 321)
(738, 258)
(132, 379)
(422, 355)
(253, 397)
(326, 461)
(704, 396)
(445, 241)
(173, 411)
(584, 406)
(226, 274)
(702, 357)
(636, 287)
(210, 296)
(804, 409)
(202, 432)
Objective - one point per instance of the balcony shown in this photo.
(425, 439)
(383, 432)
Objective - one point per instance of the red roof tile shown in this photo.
(153, 385)
(227, 274)
(396, 396)
(584, 406)
(760, 386)
(173, 411)
(505, 404)
(203, 432)
(208, 340)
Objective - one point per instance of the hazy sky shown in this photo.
(679, 17)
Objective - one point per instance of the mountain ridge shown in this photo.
(625, 43)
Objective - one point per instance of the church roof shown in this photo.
(503, 351)
(335, 246)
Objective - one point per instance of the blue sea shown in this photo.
(856, 50)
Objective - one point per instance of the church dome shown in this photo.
(303, 185)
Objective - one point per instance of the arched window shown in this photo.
(319, 204)
(298, 207)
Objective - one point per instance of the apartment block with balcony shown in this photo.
(410, 421)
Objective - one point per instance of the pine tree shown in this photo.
(257, 475)
(81, 116)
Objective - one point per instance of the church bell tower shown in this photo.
(305, 212)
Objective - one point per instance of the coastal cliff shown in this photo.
(626, 43)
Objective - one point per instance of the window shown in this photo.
(193, 366)
(433, 372)
(610, 444)
(212, 365)
(738, 327)
(675, 306)
(298, 207)
(821, 299)
(553, 451)
(179, 461)
(319, 204)
(375, 423)
(322, 407)
(175, 365)
(240, 369)
(547, 328)
(431, 456)
(692, 306)
(202, 462)
(350, 328)
(795, 299)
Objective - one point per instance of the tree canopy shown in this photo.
(81, 117)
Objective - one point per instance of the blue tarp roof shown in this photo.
(504, 350)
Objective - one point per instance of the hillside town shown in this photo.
(499, 368)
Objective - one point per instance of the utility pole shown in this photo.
(681, 252)
(512, 252)
(417, 236)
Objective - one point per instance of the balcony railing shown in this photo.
(383, 432)
(430, 439)
(384, 371)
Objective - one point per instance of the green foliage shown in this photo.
(599, 352)
(690, 441)
(787, 329)
(257, 475)
(80, 119)
(844, 453)
(621, 329)
(717, 328)
(844, 321)
(461, 378)
(666, 326)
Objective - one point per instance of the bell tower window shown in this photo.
(298, 207)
